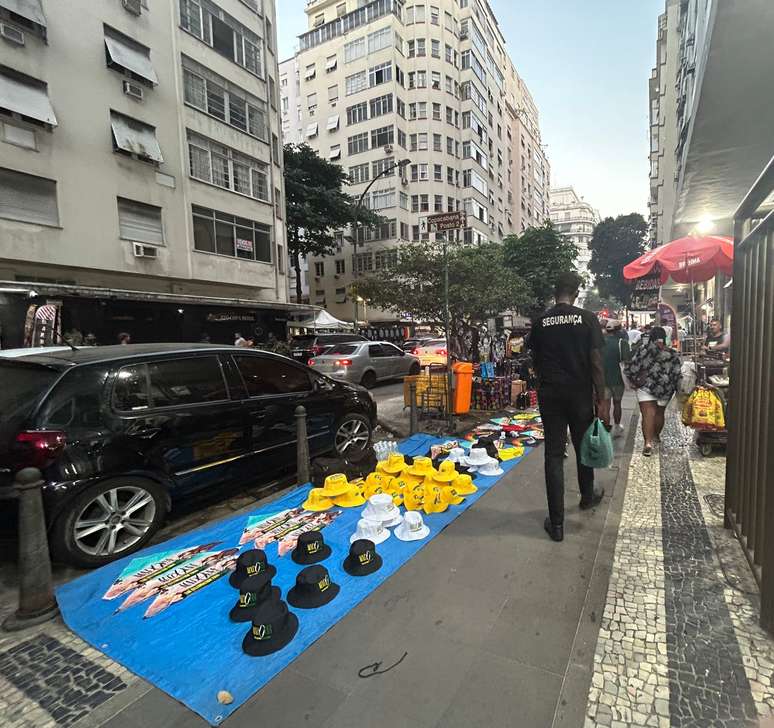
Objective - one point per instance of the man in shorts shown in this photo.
(615, 352)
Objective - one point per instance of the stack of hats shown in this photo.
(336, 491)
(272, 625)
(480, 462)
(394, 465)
(420, 469)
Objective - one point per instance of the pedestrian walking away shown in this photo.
(654, 371)
(616, 351)
(566, 342)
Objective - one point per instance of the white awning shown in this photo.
(311, 129)
(310, 73)
(330, 64)
(135, 137)
(335, 152)
(333, 122)
(26, 99)
(30, 9)
(129, 56)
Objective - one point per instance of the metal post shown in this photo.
(36, 589)
(412, 407)
(449, 407)
(302, 449)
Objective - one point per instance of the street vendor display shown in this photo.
(258, 588)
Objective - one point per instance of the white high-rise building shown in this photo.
(432, 84)
(141, 184)
(575, 218)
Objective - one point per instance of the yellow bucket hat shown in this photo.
(434, 501)
(446, 473)
(464, 485)
(422, 466)
(317, 501)
(400, 485)
(393, 465)
(413, 498)
(353, 497)
(375, 483)
(335, 485)
(451, 496)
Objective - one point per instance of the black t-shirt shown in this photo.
(562, 339)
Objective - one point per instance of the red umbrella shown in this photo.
(686, 260)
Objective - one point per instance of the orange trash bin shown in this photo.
(463, 374)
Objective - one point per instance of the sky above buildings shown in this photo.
(587, 66)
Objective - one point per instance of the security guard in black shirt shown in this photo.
(566, 342)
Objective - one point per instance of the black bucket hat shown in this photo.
(272, 629)
(310, 548)
(488, 444)
(253, 592)
(363, 559)
(313, 588)
(251, 563)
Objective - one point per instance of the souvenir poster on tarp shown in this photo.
(284, 528)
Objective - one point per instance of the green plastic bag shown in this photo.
(597, 446)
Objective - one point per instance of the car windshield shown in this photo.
(341, 349)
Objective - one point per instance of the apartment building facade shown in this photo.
(290, 101)
(575, 218)
(141, 182)
(430, 84)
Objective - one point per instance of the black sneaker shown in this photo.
(555, 532)
(595, 500)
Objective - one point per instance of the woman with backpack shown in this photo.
(654, 371)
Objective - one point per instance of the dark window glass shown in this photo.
(263, 244)
(343, 349)
(222, 38)
(271, 376)
(186, 381)
(390, 350)
(224, 238)
(22, 388)
(375, 350)
(75, 402)
(131, 389)
(204, 238)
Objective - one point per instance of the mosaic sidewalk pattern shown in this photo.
(630, 685)
(714, 666)
(707, 682)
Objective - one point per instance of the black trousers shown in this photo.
(562, 407)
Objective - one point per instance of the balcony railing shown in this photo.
(350, 21)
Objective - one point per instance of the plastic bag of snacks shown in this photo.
(703, 410)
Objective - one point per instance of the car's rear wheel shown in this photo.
(368, 380)
(109, 520)
(353, 436)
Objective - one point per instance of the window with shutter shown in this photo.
(27, 198)
(140, 222)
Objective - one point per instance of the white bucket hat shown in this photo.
(456, 454)
(491, 468)
(413, 527)
(477, 458)
(371, 530)
(382, 508)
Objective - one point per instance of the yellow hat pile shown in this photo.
(451, 495)
(434, 501)
(376, 483)
(317, 500)
(446, 473)
(351, 499)
(395, 464)
(421, 468)
(335, 485)
(463, 484)
(414, 498)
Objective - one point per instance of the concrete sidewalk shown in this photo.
(497, 624)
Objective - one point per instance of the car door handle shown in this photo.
(146, 433)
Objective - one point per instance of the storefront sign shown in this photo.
(228, 316)
(447, 221)
(646, 293)
(246, 245)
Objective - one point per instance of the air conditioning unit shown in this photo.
(132, 6)
(135, 90)
(388, 148)
(144, 251)
(12, 34)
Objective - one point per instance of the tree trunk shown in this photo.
(297, 267)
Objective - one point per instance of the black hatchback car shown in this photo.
(121, 433)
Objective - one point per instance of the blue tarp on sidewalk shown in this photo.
(180, 638)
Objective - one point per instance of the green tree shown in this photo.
(538, 255)
(316, 205)
(616, 242)
(480, 284)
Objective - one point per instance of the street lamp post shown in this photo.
(398, 165)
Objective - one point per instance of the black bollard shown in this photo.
(302, 451)
(36, 589)
(412, 407)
